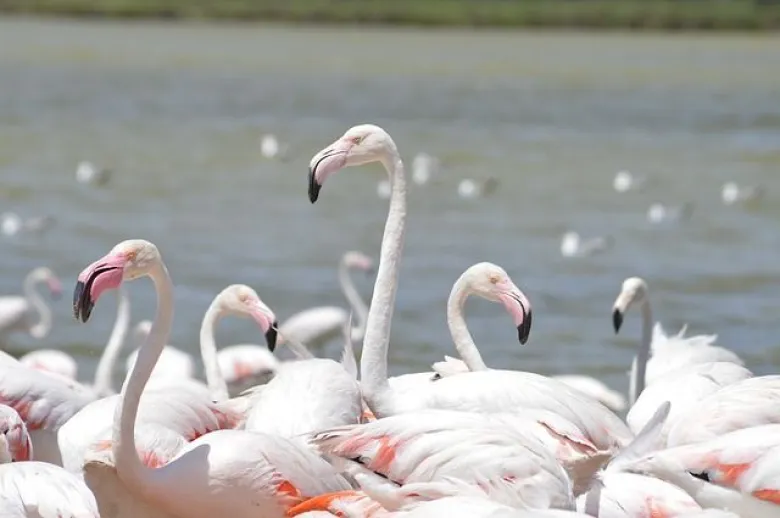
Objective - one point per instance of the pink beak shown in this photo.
(268, 325)
(325, 163)
(104, 274)
(519, 307)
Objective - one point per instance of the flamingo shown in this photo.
(30, 489)
(750, 402)
(226, 472)
(17, 313)
(527, 449)
(738, 471)
(174, 363)
(51, 360)
(668, 354)
(616, 492)
(624, 181)
(594, 388)
(183, 408)
(313, 327)
(44, 401)
(483, 391)
(684, 388)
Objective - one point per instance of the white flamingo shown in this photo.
(738, 471)
(30, 489)
(313, 327)
(746, 403)
(187, 411)
(29, 312)
(668, 353)
(574, 245)
(174, 363)
(484, 391)
(230, 472)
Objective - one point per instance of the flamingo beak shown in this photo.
(325, 163)
(519, 307)
(617, 319)
(102, 275)
(271, 336)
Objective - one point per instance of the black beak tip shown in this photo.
(617, 319)
(524, 329)
(82, 306)
(314, 187)
(270, 336)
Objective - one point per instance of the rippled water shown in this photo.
(176, 111)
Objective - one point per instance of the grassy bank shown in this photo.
(644, 14)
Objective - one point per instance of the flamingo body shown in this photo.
(684, 388)
(306, 396)
(51, 360)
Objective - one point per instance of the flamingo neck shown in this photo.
(208, 352)
(42, 328)
(105, 369)
(355, 300)
(373, 361)
(128, 466)
(643, 355)
(464, 343)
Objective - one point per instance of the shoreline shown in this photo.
(586, 15)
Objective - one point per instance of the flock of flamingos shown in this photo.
(323, 438)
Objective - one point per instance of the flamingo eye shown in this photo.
(357, 140)
(494, 279)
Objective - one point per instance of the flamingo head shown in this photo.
(15, 442)
(52, 281)
(240, 299)
(360, 145)
(359, 260)
(634, 290)
(491, 282)
(127, 261)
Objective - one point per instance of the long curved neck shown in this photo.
(105, 368)
(355, 300)
(461, 337)
(373, 361)
(639, 371)
(208, 353)
(43, 326)
(130, 469)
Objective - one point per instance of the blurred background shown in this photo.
(656, 138)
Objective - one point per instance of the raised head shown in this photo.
(44, 274)
(633, 291)
(491, 282)
(127, 261)
(15, 442)
(241, 300)
(360, 145)
(359, 260)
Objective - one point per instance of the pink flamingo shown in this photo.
(226, 472)
(17, 313)
(485, 391)
(30, 489)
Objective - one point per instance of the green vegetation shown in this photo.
(641, 14)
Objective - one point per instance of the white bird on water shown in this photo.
(469, 188)
(271, 148)
(732, 193)
(660, 213)
(12, 224)
(573, 245)
(424, 166)
(625, 181)
(87, 172)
